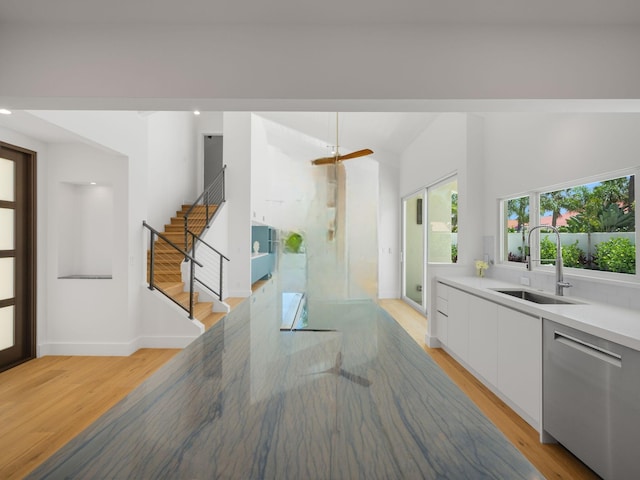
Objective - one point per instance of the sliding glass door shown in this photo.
(413, 250)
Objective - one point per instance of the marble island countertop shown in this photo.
(619, 325)
(246, 400)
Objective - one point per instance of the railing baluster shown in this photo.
(186, 229)
(220, 287)
(152, 251)
(192, 276)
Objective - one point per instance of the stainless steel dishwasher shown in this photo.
(591, 400)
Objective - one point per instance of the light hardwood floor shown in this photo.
(552, 460)
(46, 402)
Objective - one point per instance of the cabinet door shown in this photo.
(442, 326)
(519, 359)
(483, 338)
(458, 325)
(442, 312)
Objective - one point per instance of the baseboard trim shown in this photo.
(115, 349)
(88, 349)
(432, 342)
(239, 293)
(164, 342)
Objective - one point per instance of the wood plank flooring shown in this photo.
(552, 460)
(46, 402)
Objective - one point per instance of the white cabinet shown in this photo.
(520, 359)
(442, 313)
(458, 325)
(499, 345)
(483, 338)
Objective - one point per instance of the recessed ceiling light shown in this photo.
(196, 112)
(92, 183)
(4, 111)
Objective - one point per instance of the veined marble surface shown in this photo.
(247, 401)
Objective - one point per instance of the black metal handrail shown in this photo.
(196, 240)
(192, 260)
(214, 194)
(220, 256)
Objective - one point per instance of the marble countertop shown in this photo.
(245, 400)
(619, 325)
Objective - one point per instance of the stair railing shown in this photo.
(211, 199)
(210, 265)
(152, 260)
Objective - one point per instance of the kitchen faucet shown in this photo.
(560, 283)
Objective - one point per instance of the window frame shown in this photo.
(534, 220)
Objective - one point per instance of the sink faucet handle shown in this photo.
(565, 284)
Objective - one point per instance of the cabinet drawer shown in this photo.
(442, 291)
(442, 305)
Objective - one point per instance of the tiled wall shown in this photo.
(617, 293)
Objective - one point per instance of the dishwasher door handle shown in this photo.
(585, 347)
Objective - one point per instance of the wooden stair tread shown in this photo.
(211, 319)
(202, 309)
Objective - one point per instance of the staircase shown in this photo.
(167, 273)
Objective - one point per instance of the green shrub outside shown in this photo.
(571, 254)
(617, 254)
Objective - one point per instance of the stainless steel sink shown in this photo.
(536, 297)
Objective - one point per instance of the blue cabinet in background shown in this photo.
(262, 261)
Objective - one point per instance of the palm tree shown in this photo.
(555, 202)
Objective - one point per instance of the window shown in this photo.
(442, 215)
(516, 222)
(596, 222)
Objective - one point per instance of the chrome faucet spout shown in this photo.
(560, 283)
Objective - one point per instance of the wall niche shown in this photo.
(85, 231)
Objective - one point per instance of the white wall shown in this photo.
(123, 133)
(126, 135)
(86, 316)
(527, 151)
(389, 225)
(283, 185)
(85, 228)
(172, 165)
(237, 155)
(448, 146)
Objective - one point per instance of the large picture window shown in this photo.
(596, 222)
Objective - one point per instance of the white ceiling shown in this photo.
(388, 132)
(326, 12)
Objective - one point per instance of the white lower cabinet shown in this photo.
(520, 359)
(502, 346)
(442, 313)
(443, 328)
(458, 324)
(483, 338)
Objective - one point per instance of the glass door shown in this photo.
(413, 250)
(17, 256)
